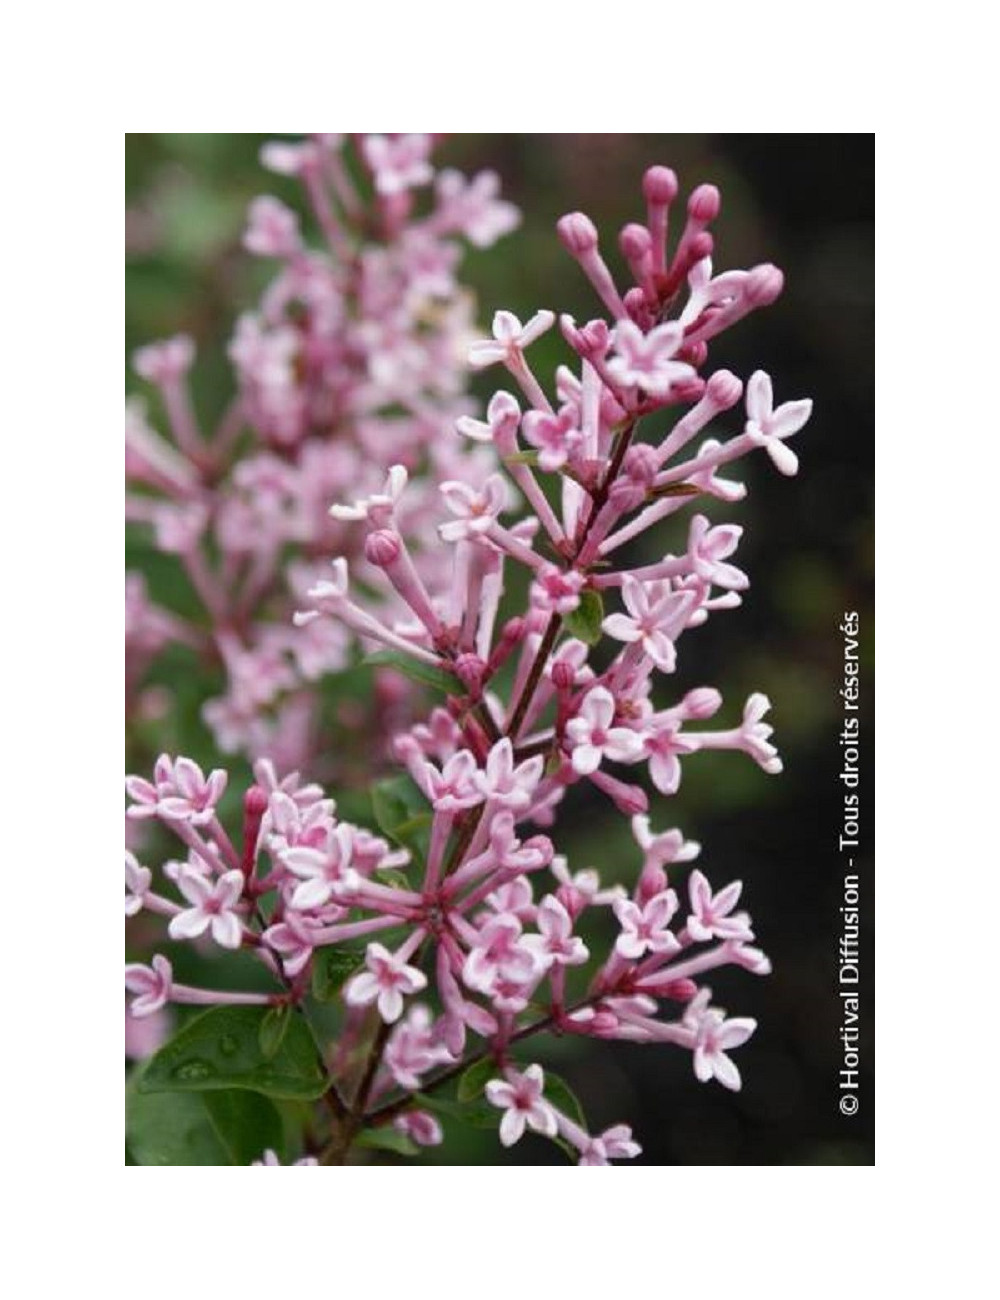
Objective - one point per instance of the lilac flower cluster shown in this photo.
(471, 923)
(354, 358)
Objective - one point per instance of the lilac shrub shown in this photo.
(412, 970)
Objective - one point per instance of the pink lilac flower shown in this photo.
(656, 616)
(413, 1049)
(593, 738)
(770, 427)
(213, 907)
(137, 882)
(499, 952)
(555, 944)
(615, 1143)
(151, 985)
(454, 787)
(180, 792)
(399, 163)
(506, 784)
(422, 1127)
(556, 591)
(646, 929)
(711, 913)
(648, 360)
(714, 1036)
(555, 436)
(322, 870)
(474, 510)
(386, 980)
(273, 229)
(520, 1097)
(510, 337)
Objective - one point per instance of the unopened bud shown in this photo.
(725, 389)
(382, 548)
(577, 233)
(659, 185)
(704, 204)
(764, 284)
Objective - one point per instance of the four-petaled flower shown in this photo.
(179, 792)
(213, 906)
(755, 734)
(398, 164)
(510, 338)
(714, 1036)
(474, 509)
(453, 787)
(499, 953)
(645, 929)
(520, 1097)
(385, 981)
(556, 944)
(594, 738)
(656, 616)
(322, 870)
(707, 551)
(505, 785)
(151, 985)
(647, 360)
(615, 1143)
(557, 591)
(770, 427)
(555, 436)
(710, 913)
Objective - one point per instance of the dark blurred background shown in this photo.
(805, 202)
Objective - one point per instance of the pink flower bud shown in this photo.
(704, 204)
(382, 548)
(725, 389)
(577, 233)
(596, 337)
(635, 242)
(652, 881)
(255, 802)
(641, 463)
(702, 702)
(469, 669)
(764, 284)
(563, 675)
(659, 185)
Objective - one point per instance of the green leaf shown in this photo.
(401, 812)
(272, 1030)
(331, 969)
(387, 1139)
(475, 1078)
(561, 1095)
(418, 671)
(585, 621)
(222, 1049)
(207, 1128)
